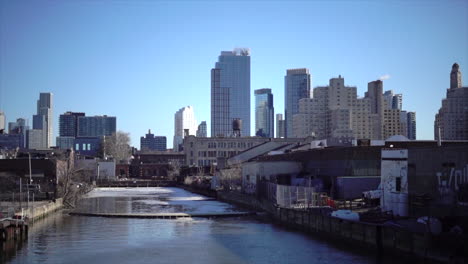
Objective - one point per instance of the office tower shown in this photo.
(280, 126)
(392, 101)
(230, 92)
(96, 126)
(19, 128)
(2, 121)
(411, 125)
(45, 109)
(264, 113)
(374, 93)
(452, 118)
(151, 142)
(40, 124)
(184, 122)
(68, 124)
(297, 83)
(68, 129)
(202, 129)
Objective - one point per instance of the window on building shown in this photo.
(398, 184)
(77, 146)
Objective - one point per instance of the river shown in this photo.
(61, 238)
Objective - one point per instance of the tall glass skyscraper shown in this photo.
(230, 92)
(264, 113)
(44, 108)
(297, 84)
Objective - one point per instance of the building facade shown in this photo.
(88, 146)
(393, 101)
(452, 118)
(44, 118)
(280, 123)
(68, 124)
(96, 126)
(35, 139)
(184, 120)
(336, 113)
(151, 142)
(297, 83)
(411, 125)
(11, 141)
(155, 165)
(202, 130)
(18, 129)
(205, 151)
(230, 92)
(2, 120)
(264, 113)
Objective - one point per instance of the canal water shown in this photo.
(62, 238)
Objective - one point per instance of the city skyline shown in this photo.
(415, 52)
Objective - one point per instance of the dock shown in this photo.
(165, 215)
(13, 229)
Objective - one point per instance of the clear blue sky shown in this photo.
(143, 60)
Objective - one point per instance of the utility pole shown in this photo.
(30, 177)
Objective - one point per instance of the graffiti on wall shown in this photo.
(451, 179)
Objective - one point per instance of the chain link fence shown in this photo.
(286, 196)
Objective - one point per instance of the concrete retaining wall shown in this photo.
(382, 239)
(41, 209)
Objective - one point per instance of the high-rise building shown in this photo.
(452, 118)
(40, 123)
(375, 95)
(184, 122)
(328, 114)
(151, 142)
(202, 129)
(2, 120)
(68, 129)
(45, 109)
(68, 124)
(392, 101)
(297, 83)
(337, 114)
(264, 113)
(280, 126)
(96, 126)
(230, 92)
(35, 139)
(19, 128)
(411, 125)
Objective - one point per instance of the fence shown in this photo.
(292, 196)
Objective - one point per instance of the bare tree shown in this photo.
(72, 181)
(117, 146)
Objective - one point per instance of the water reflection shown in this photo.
(78, 239)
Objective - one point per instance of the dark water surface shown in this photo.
(61, 238)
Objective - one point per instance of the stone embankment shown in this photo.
(381, 238)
